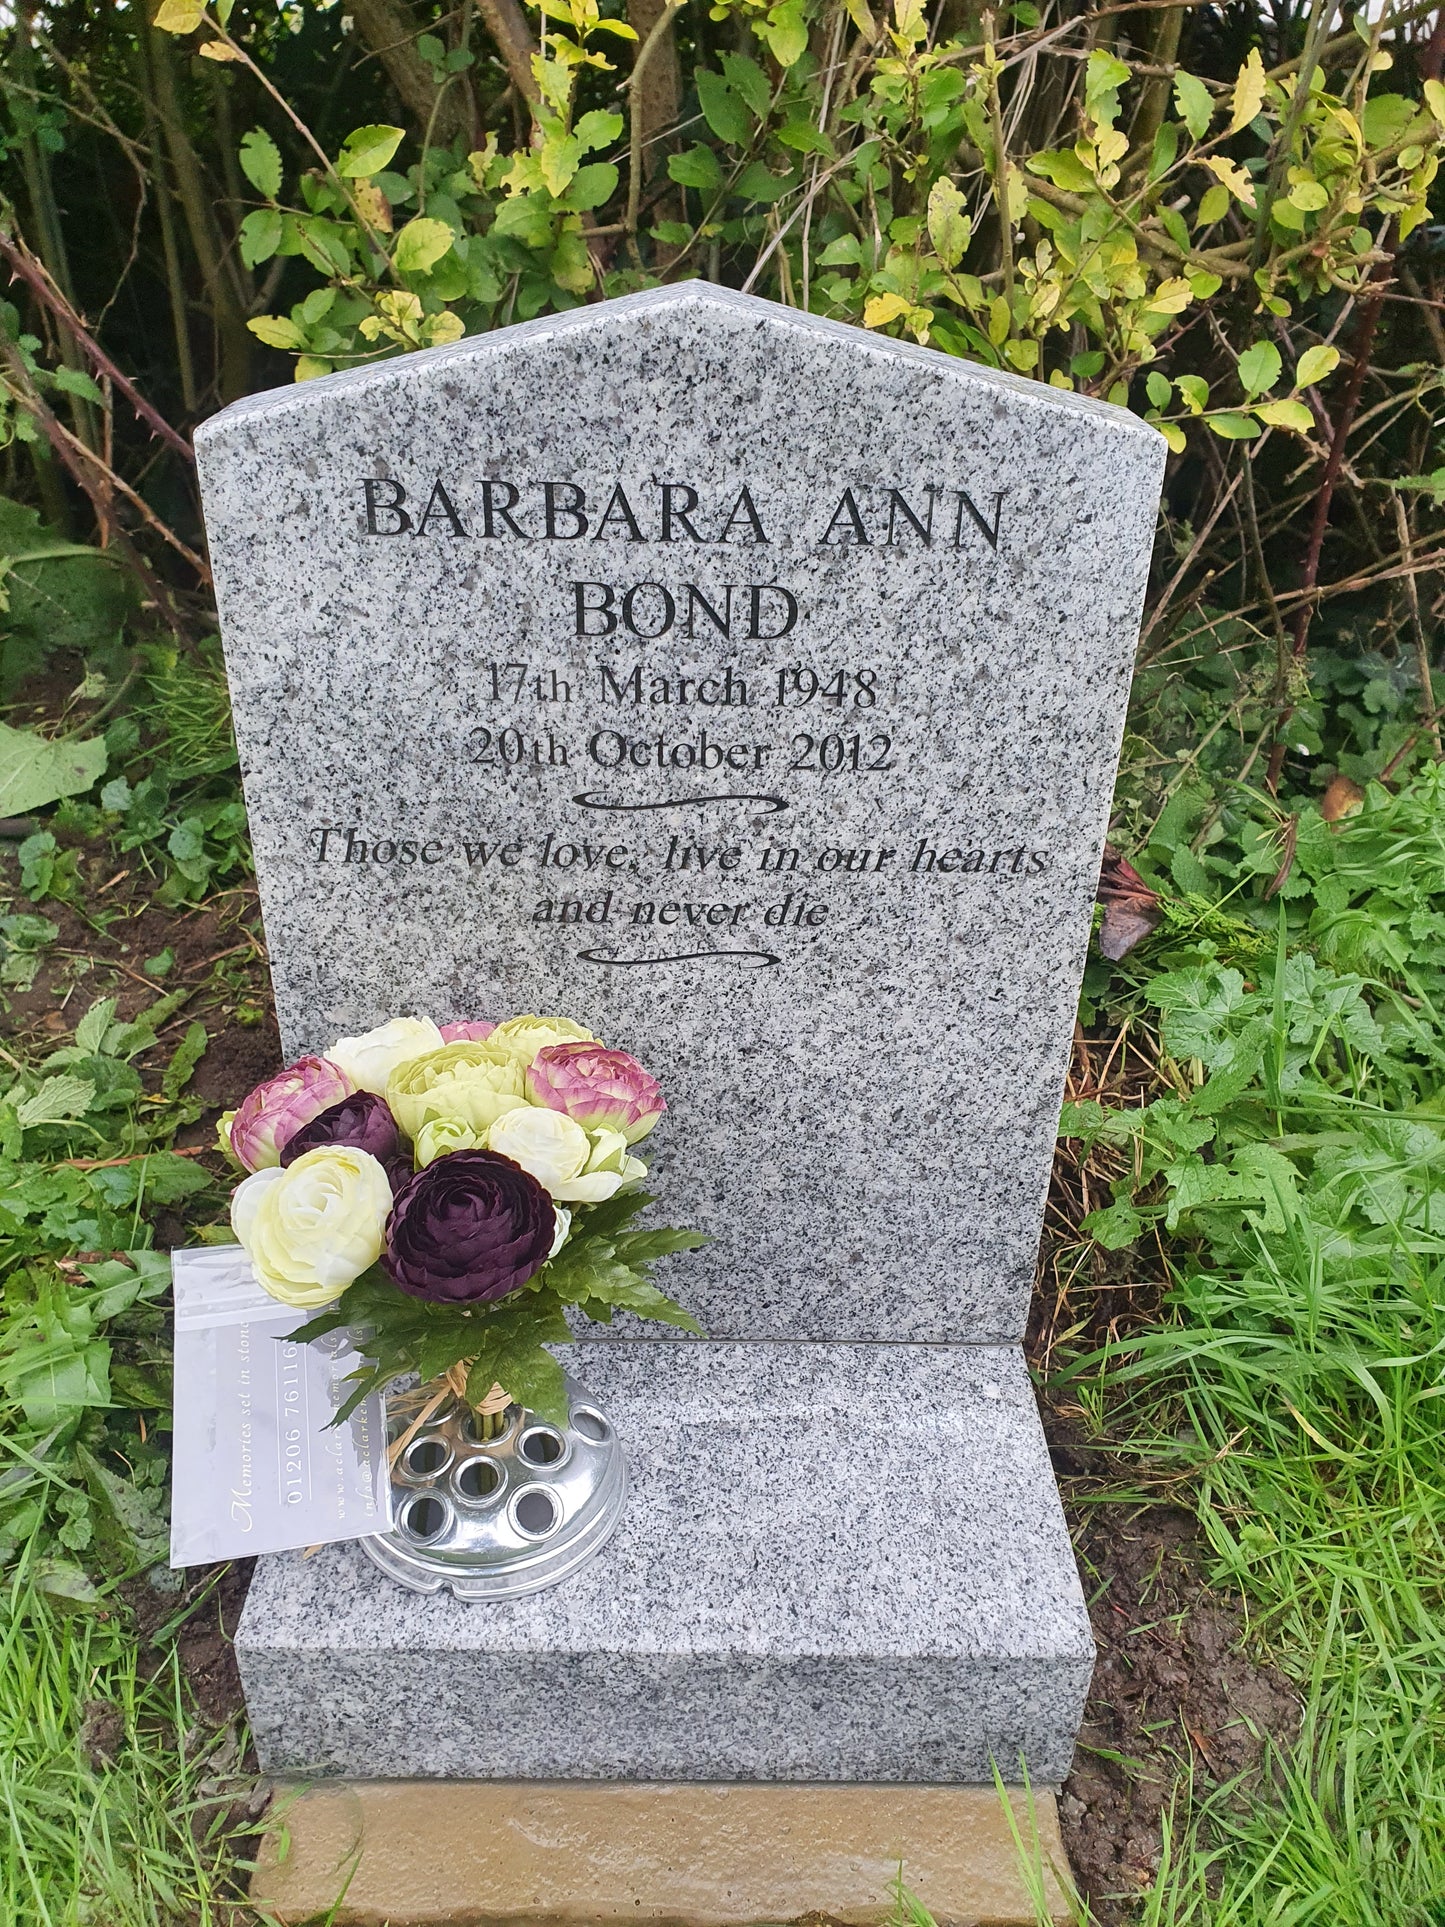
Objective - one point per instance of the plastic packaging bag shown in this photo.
(255, 1467)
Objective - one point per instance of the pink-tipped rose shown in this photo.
(276, 1110)
(600, 1089)
(475, 1030)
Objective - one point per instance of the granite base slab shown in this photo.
(838, 1563)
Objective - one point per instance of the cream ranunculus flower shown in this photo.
(564, 1226)
(370, 1059)
(608, 1168)
(525, 1036)
(313, 1227)
(548, 1145)
(574, 1166)
(468, 1083)
(441, 1135)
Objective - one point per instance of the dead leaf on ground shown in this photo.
(1131, 909)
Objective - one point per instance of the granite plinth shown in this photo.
(838, 1563)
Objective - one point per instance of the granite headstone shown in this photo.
(748, 688)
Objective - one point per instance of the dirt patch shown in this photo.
(200, 1621)
(1175, 1687)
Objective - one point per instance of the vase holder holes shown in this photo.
(590, 1425)
(426, 1457)
(472, 1427)
(536, 1512)
(479, 1480)
(542, 1446)
(425, 1518)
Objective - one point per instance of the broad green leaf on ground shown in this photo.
(34, 772)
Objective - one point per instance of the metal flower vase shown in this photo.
(500, 1516)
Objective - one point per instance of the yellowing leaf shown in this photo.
(884, 308)
(949, 227)
(219, 50)
(421, 244)
(858, 13)
(1248, 92)
(276, 331)
(1286, 414)
(1309, 196)
(1435, 99)
(1314, 364)
(1171, 297)
(310, 367)
(366, 151)
(445, 327)
(1174, 435)
(178, 16)
(1229, 174)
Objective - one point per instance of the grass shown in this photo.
(115, 1805)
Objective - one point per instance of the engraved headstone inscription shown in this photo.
(750, 688)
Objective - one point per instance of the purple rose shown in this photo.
(361, 1121)
(468, 1229)
(475, 1030)
(600, 1089)
(276, 1110)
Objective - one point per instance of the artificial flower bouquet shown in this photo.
(445, 1192)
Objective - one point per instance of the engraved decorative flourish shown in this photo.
(589, 800)
(763, 958)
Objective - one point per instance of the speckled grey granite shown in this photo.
(838, 1562)
(856, 983)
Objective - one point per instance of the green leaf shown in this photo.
(1064, 168)
(596, 129)
(1195, 104)
(1234, 428)
(785, 33)
(1115, 1228)
(260, 235)
(749, 82)
(1157, 388)
(56, 1101)
(1260, 368)
(698, 168)
(34, 772)
(260, 159)
(366, 151)
(591, 186)
(276, 331)
(189, 1052)
(421, 244)
(130, 1533)
(1315, 364)
(724, 113)
(1286, 414)
(1213, 205)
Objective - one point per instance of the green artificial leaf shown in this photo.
(366, 151)
(1194, 102)
(34, 771)
(1260, 368)
(261, 162)
(724, 113)
(421, 244)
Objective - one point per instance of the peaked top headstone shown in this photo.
(744, 686)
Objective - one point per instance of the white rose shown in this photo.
(370, 1059)
(313, 1227)
(548, 1144)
